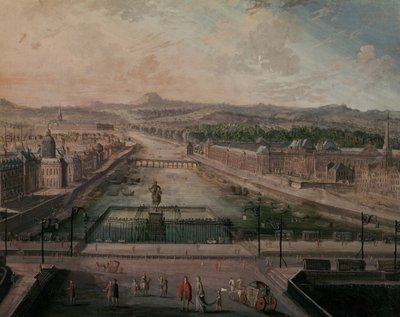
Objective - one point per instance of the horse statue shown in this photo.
(155, 194)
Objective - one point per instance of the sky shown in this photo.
(297, 53)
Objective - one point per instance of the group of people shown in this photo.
(184, 292)
(163, 286)
(235, 288)
(112, 292)
(143, 285)
(185, 296)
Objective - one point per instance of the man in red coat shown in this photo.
(185, 293)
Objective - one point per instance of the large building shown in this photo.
(11, 176)
(369, 170)
(30, 164)
(24, 171)
(74, 169)
(31, 171)
(53, 168)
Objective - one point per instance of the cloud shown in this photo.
(293, 3)
(36, 45)
(256, 4)
(256, 42)
(377, 70)
(130, 10)
(204, 50)
(366, 54)
(267, 45)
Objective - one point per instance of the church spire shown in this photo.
(59, 116)
(387, 150)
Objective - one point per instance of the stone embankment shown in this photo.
(330, 205)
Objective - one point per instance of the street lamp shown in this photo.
(366, 219)
(42, 222)
(74, 211)
(85, 222)
(396, 229)
(256, 208)
(5, 235)
(279, 226)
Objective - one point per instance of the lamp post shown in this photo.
(85, 222)
(280, 242)
(256, 209)
(42, 222)
(74, 211)
(366, 219)
(5, 235)
(279, 226)
(396, 229)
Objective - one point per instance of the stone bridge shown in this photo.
(164, 163)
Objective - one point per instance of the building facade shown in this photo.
(53, 168)
(369, 170)
(11, 178)
(74, 168)
(31, 171)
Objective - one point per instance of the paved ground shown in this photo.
(235, 260)
(91, 281)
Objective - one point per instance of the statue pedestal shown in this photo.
(156, 227)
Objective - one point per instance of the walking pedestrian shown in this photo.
(199, 295)
(218, 302)
(72, 292)
(12, 278)
(162, 285)
(232, 284)
(135, 287)
(239, 283)
(115, 292)
(185, 293)
(165, 286)
(108, 290)
(144, 284)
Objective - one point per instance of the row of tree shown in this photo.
(246, 133)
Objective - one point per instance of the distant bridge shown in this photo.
(164, 163)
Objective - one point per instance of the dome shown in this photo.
(262, 149)
(329, 146)
(261, 141)
(99, 147)
(48, 148)
(294, 144)
(307, 144)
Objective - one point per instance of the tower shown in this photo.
(59, 116)
(387, 150)
(48, 148)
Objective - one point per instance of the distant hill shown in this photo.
(12, 113)
(156, 110)
(152, 109)
(6, 105)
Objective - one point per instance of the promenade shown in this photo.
(175, 260)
